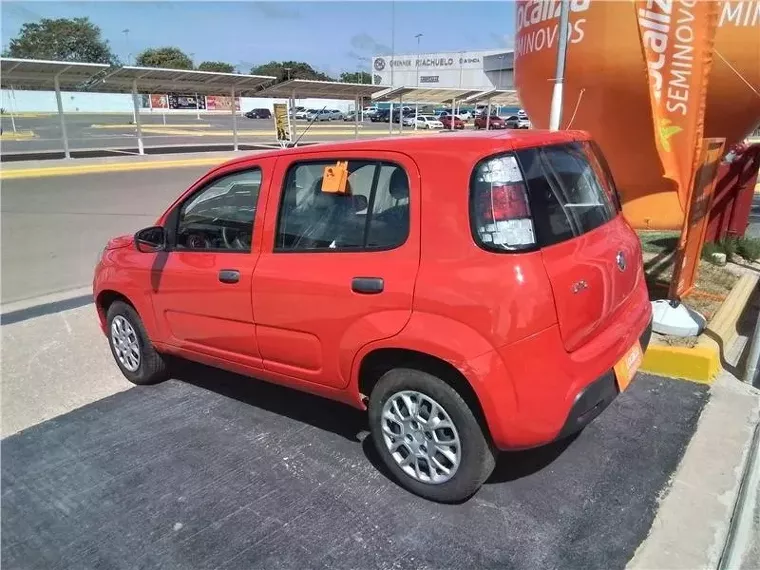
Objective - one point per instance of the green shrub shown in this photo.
(709, 249)
(728, 246)
(748, 248)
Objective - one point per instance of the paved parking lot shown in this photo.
(42, 132)
(214, 470)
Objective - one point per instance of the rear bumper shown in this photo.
(533, 391)
(595, 397)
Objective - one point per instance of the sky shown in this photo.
(332, 36)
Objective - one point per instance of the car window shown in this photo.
(373, 214)
(220, 217)
(568, 198)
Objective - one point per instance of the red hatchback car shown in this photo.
(493, 303)
(493, 122)
(446, 120)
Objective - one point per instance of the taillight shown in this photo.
(500, 205)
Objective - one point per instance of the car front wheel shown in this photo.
(428, 436)
(135, 355)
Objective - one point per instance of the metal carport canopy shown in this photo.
(293, 89)
(155, 79)
(41, 75)
(101, 78)
(496, 97)
(425, 94)
(311, 89)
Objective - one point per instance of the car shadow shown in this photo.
(321, 413)
(342, 419)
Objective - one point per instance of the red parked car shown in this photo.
(446, 120)
(493, 122)
(475, 294)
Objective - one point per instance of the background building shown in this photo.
(467, 69)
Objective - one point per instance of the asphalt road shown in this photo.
(54, 228)
(87, 131)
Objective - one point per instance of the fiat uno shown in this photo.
(475, 292)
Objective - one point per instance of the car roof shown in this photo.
(445, 142)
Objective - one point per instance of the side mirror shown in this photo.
(150, 240)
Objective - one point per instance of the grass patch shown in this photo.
(713, 282)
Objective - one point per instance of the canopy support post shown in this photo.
(453, 113)
(400, 115)
(138, 122)
(234, 120)
(390, 120)
(488, 116)
(356, 117)
(59, 103)
(295, 121)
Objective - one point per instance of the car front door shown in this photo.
(337, 270)
(201, 284)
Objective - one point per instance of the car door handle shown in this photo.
(367, 285)
(229, 276)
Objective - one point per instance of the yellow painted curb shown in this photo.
(703, 362)
(18, 136)
(154, 126)
(699, 364)
(17, 173)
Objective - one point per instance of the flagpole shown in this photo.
(555, 114)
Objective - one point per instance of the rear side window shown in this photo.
(374, 214)
(567, 196)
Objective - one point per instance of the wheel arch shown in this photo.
(381, 360)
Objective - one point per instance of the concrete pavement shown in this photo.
(89, 131)
(54, 228)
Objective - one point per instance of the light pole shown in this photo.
(555, 113)
(125, 31)
(393, 39)
(417, 65)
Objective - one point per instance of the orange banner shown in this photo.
(678, 39)
(695, 223)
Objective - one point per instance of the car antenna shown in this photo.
(309, 126)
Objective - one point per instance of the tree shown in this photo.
(166, 57)
(356, 77)
(293, 69)
(219, 66)
(61, 39)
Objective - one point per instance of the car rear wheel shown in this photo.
(428, 437)
(132, 350)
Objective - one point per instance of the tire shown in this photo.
(475, 453)
(150, 365)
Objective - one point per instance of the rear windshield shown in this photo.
(567, 195)
(569, 192)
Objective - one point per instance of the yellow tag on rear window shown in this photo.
(335, 178)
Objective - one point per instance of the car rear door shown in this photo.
(337, 271)
(591, 255)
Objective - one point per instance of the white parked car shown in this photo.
(370, 111)
(428, 122)
(303, 113)
(335, 115)
(465, 115)
(409, 121)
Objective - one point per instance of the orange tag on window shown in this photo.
(334, 178)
